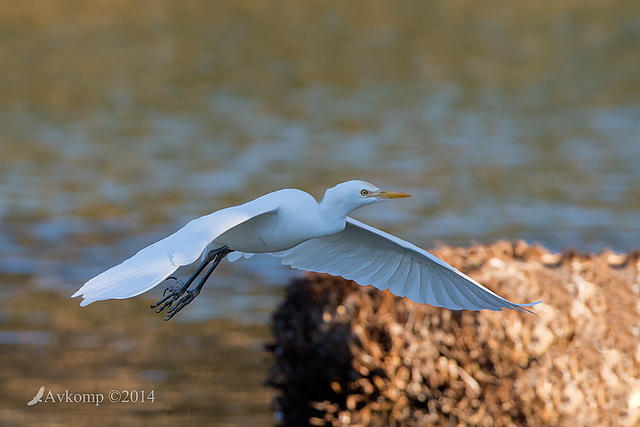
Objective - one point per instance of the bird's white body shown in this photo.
(299, 219)
(307, 235)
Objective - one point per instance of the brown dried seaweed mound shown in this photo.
(351, 355)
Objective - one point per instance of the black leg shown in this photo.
(191, 294)
(176, 292)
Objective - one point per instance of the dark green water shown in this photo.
(123, 120)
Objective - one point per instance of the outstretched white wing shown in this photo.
(367, 255)
(156, 262)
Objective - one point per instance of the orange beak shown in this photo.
(383, 194)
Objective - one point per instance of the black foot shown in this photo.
(189, 296)
(175, 292)
(212, 259)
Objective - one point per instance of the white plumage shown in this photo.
(306, 235)
(153, 264)
(367, 255)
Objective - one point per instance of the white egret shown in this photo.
(306, 235)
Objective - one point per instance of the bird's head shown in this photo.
(351, 195)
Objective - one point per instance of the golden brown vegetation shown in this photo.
(353, 355)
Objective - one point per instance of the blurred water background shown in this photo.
(121, 120)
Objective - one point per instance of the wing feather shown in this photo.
(439, 290)
(370, 256)
(397, 280)
(471, 299)
(431, 295)
(382, 282)
(414, 279)
(151, 265)
(450, 291)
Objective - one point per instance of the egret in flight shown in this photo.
(304, 234)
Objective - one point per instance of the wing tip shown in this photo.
(82, 292)
(522, 307)
(529, 304)
(85, 300)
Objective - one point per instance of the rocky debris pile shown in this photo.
(351, 355)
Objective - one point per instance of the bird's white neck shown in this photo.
(334, 210)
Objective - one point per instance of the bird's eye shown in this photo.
(364, 193)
